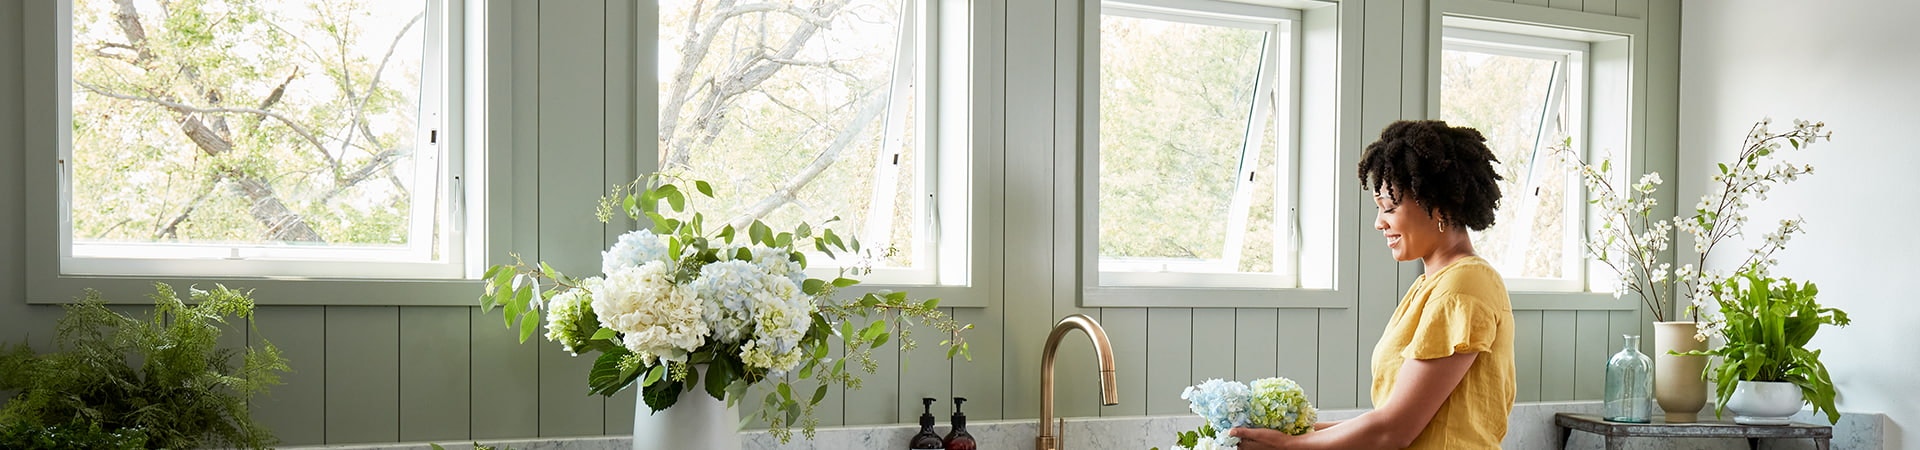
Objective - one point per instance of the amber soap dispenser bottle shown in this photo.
(959, 439)
(927, 439)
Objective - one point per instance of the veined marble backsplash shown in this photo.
(1529, 427)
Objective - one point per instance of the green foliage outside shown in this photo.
(1769, 322)
(1175, 106)
(246, 121)
(1505, 98)
(162, 381)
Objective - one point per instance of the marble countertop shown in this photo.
(1529, 427)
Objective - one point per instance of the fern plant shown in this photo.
(1767, 323)
(162, 378)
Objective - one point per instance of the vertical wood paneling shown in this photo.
(1297, 340)
(1638, 9)
(878, 399)
(621, 132)
(1599, 7)
(505, 375)
(1526, 355)
(296, 409)
(981, 379)
(1256, 349)
(1213, 339)
(1338, 358)
(1029, 207)
(363, 374)
(1127, 328)
(1381, 103)
(925, 372)
(572, 137)
(1413, 59)
(435, 391)
(1077, 384)
(1533, 2)
(1590, 369)
(1570, 5)
(1169, 359)
(1558, 362)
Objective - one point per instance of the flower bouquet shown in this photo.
(679, 307)
(1274, 403)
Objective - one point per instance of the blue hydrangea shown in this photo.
(635, 248)
(727, 288)
(1223, 404)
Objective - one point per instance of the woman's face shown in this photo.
(1411, 233)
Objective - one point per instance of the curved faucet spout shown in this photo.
(1109, 391)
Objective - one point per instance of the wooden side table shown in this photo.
(1821, 435)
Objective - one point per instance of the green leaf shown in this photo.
(604, 333)
(881, 340)
(760, 233)
(660, 396)
(874, 330)
(812, 286)
(785, 390)
(719, 375)
(844, 282)
(704, 188)
(819, 393)
(743, 254)
(528, 323)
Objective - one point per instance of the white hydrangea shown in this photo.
(778, 262)
(563, 318)
(656, 318)
(726, 290)
(634, 248)
(781, 320)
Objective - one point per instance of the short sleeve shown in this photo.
(1452, 324)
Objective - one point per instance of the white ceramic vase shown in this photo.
(1677, 383)
(696, 421)
(1764, 402)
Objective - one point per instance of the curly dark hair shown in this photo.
(1449, 170)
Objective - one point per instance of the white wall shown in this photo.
(1855, 65)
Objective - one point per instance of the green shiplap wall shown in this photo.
(448, 374)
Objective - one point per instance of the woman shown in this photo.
(1443, 374)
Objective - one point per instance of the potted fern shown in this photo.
(117, 381)
(1766, 371)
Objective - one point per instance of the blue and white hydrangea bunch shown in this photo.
(1275, 403)
(752, 301)
(1224, 404)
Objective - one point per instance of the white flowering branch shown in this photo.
(1629, 239)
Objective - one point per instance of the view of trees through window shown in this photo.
(1188, 167)
(1515, 102)
(799, 111)
(251, 122)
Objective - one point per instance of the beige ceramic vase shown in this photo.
(1677, 383)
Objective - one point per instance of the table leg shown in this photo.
(1821, 443)
(1614, 443)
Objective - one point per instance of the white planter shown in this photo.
(696, 421)
(1764, 402)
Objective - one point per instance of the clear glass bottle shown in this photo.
(1629, 385)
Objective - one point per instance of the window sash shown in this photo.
(437, 165)
(1276, 84)
(1567, 92)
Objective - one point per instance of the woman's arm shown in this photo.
(1418, 392)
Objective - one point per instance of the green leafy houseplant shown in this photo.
(120, 382)
(1767, 323)
(681, 307)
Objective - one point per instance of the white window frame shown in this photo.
(1313, 270)
(473, 34)
(1616, 100)
(956, 180)
(1569, 85)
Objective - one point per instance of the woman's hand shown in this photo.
(1261, 438)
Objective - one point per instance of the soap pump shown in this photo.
(927, 439)
(959, 439)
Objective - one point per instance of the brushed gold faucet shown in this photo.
(1109, 392)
